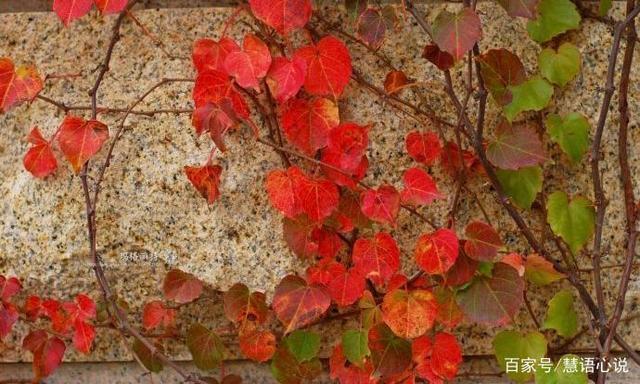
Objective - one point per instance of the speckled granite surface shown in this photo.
(148, 207)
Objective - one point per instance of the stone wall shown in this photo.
(148, 207)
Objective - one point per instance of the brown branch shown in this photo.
(100, 110)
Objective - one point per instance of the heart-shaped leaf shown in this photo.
(409, 314)
(282, 15)
(69, 10)
(515, 146)
(307, 123)
(571, 132)
(371, 27)
(457, 33)
(483, 242)
(436, 252)
(286, 369)
(79, 139)
(522, 8)
(205, 346)
(285, 77)
(303, 345)
(441, 59)
(318, 196)
(494, 299)
(501, 69)
(206, 180)
(515, 346)
(17, 85)
(381, 205)
(39, 159)
(378, 258)
(438, 360)
(347, 287)
(554, 17)
(258, 345)
(181, 287)
(573, 221)
(561, 315)
(539, 271)
(210, 54)
(522, 186)
(419, 188)
(249, 65)
(395, 81)
(423, 147)
(355, 344)
(328, 67)
(213, 86)
(242, 305)
(297, 304)
(562, 66)
(390, 354)
(531, 95)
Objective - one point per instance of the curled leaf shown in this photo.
(206, 180)
(39, 159)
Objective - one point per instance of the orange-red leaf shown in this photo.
(213, 86)
(436, 252)
(307, 123)
(348, 143)
(346, 288)
(438, 360)
(409, 314)
(378, 258)
(285, 77)
(395, 81)
(258, 345)
(249, 65)
(17, 84)
(347, 373)
(206, 180)
(155, 314)
(297, 304)
(423, 147)
(210, 54)
(47, 352)
(483, 242)
(216, 119)
(80, 140)
(83, 336)
(282, 15)
(110, 6)
(457, 33)
(381, 205)
(281, 189)
(318, 196)
(69, 10)
(419, 188)
(324, 271)
(299, 234)
(181, 287)
(39, 159)
(328, 67)
(241, 305)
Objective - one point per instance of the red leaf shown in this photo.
(436, 252)
(390, 354)
(83, 336)
(523, 8)
(258, 345)
(329, 243)
(69, 10)
(381, 205)
(409, 314)
(493, 300)
(439, 360)
(300, 236)
(328, 67)
(33, 307)
(454, 162)
(17, 84)
(206, 180)
(342, 177)
(371, 28)
(210, 54)
(216, 119)
(307, 123)
(39, 159)
(318, 197)
(348, 143)
(419, 188)
(249, 65)
(181, 287)
(378, 258)
(83, 308)
(457, 33)
(483, 242)
(324, 271)
(285, 77)
(462, 271)
(516, 261)
(110, 6)
(297, 304)
(155, 314)
(395, 81)
(214, 86)
(501, 69)
(47, 352)
(281, 189)
(80, 140)
(8, 316)
(350, 207)
(515, 146)
(442, 60)
(9, 287)
(423, 147)
(242, 305)
(347, 288)
(282, 15)
(347, 373)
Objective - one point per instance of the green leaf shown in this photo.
(355, 346)
(561, 315)
(539, 271)
(515, 345)
(205, 347)
(604, 7)
(522, 185)
(573, 221)
(303, 345)
(286, 369)
(555, 17)
(571, 132)
(148, 359)
(562, 375)
(562, 66)
(531, 95)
